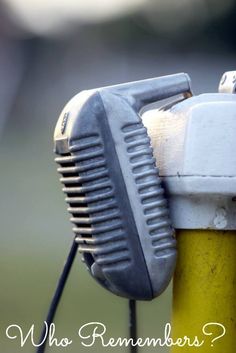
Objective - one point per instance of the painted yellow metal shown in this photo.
(204, 290)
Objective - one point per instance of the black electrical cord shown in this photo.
(57, 295)
(133, 325)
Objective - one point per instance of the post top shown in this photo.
(195, 148)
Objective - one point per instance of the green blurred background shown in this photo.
(48, 52)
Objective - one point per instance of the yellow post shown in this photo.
(195, 151)
(205, 290)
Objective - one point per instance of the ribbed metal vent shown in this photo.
(149, 188)
(92, 203)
